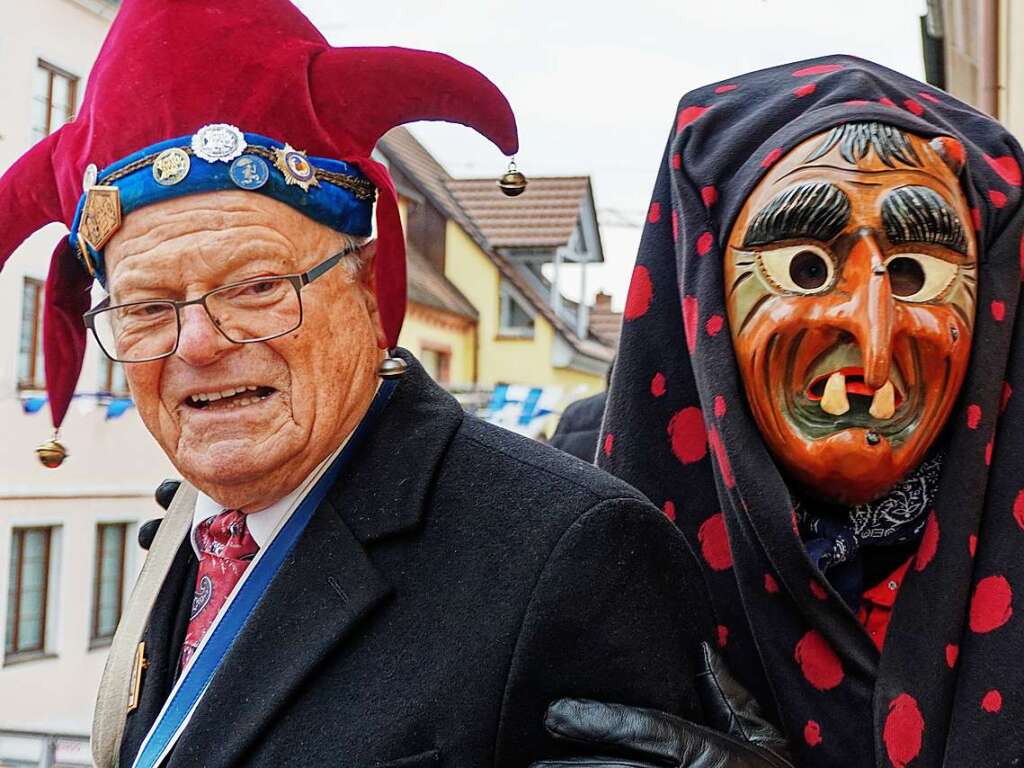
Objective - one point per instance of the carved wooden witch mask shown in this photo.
(850, 279)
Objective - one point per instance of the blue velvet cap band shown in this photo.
(338, 195)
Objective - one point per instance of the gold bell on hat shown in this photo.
(51, 453)
(392, 368)
(512, 182)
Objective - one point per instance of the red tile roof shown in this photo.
(605, 324)
(402, 149)
(543, 217)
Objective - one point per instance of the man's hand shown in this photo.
(737, 735)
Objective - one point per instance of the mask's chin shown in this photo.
(849, 467)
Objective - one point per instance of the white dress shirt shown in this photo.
(263, 525)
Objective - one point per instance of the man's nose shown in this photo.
(870, 307)
(200, 343)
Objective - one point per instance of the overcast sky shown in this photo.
(594, 85)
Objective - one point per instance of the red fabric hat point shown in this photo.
(258, 64)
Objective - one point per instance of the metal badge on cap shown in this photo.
(90, 176)
(249, 172)
(171, 167)
(296, 168)
(101, 217)
(219, 142)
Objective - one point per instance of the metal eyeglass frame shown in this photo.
(299, 280)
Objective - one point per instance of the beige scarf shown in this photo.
(120, 671)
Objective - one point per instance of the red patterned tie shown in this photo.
(225, 550)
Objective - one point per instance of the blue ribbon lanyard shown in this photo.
(196, 679)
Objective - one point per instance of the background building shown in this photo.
(486, 315)
(486, 308)
(969, 51)
(67, 538)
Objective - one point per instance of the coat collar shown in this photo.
(377, 495)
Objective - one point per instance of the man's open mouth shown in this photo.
(233, 397)
(840, 391)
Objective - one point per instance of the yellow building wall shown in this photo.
(505, 360)
(422, 331)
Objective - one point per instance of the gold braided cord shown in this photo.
(361, 188)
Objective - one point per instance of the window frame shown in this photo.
(106, 382)
(36, 379)
(507, 294)
(12, 651)
(444, 360)
(52, 72)
(95, 638)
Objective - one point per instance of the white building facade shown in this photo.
(68, 546)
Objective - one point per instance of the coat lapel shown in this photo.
(328, 585)
(325, 588)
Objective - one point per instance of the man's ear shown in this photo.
(367, 279)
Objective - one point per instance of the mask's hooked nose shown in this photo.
(873, 310)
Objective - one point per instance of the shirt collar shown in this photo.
(263, 524)
(884, 593)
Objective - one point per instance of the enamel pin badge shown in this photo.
(296, 168)
(219, 142)
(171, 167)
(101, 217)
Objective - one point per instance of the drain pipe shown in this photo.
(988, 57)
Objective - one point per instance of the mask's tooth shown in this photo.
(834, 400)
(883, 405)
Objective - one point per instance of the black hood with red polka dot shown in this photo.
(948, 690)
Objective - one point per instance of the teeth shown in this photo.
(214, 396)
(834, 400)
(883, 405)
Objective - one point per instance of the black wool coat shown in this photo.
(579, 427)
(456, 579)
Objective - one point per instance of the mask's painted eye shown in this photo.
(804, 269)
(919, 277)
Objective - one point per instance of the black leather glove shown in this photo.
(165, 492)
(736, 736)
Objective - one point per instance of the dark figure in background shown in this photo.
(578, 429)
(580, 426)
(819, 378)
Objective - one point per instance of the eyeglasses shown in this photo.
(248, 311)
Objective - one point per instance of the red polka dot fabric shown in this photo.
(948, 686)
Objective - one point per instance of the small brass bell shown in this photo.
(51, 453)
(512, 182)
(392, 368)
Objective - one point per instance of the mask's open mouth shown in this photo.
(841, 391)
(233, 397)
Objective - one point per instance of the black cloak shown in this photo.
(948, 690)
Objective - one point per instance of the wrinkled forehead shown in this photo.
(210, 236)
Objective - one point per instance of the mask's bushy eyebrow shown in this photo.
(814, 210)
(921, 215)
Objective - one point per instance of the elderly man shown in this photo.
(355, 573)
